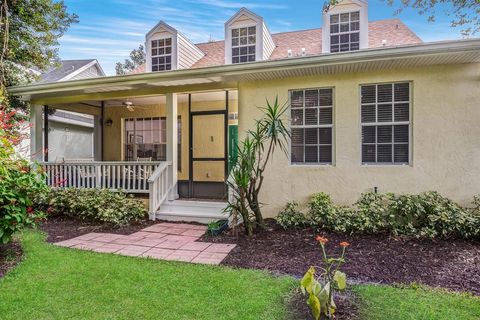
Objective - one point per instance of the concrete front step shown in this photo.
(192, 211)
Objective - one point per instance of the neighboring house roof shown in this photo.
(72, 70)
(392, 32)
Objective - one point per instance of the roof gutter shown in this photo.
(424, 49)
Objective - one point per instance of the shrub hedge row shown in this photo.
(425, 215)
(104, 206)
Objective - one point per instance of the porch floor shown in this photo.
(166, 241)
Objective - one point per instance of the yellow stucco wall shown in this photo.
(114, 135)
(445, 137)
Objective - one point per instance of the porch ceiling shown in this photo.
(227, 76)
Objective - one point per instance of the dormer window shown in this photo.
(345, 26)
(162, 54)
(247, 38)
(345, 31)
(167, 49)
(243, 44)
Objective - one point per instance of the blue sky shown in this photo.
(109, 29)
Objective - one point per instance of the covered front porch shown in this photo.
(167, 146)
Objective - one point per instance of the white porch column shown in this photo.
(36, 133)
(172, 142)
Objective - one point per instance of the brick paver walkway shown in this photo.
(167, 241)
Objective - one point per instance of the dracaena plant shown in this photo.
(320, 283)
(254, 153)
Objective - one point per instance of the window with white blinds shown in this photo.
(311, 123)
(385, 117)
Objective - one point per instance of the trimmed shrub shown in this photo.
(428, 215)
(95, 205)
(291, 217)
(425, 215)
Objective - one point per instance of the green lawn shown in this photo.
(385, 302)
(59, 283)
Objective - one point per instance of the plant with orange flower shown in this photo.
(320, 286)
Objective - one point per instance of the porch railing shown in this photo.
(132, 177)
(160, 186)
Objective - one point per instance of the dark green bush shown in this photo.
(291, 217)
(425, 215)
(101, 206)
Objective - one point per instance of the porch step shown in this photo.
(192, 211)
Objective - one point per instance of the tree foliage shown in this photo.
(137, 58)
(464, 13)
(29, 32)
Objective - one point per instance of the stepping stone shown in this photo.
(220, 248)
(171, 244)
(109, 248)
(210, 258)
(182, 255)
(158, 253)
(196, 246)
(147, 242)
(89, 236)
(193, 233)
(133, 250)
(69, 242)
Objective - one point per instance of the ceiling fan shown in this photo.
(129, 105)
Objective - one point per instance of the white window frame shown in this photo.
(247, 45)
(355, 5)
(303, 126)
(135, 144)
(392, 123)
(349, 32)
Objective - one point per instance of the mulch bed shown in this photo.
(451, 264)
(62, 228)
(10, 255)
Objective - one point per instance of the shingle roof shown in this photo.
(393, 31)
(66, 67)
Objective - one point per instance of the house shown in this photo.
(70, 134)
(371, 107)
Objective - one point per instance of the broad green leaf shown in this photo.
(316, 287)
(307, 280)
(333, 306)
(323, 297)
(314, 304)
(341, 279)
